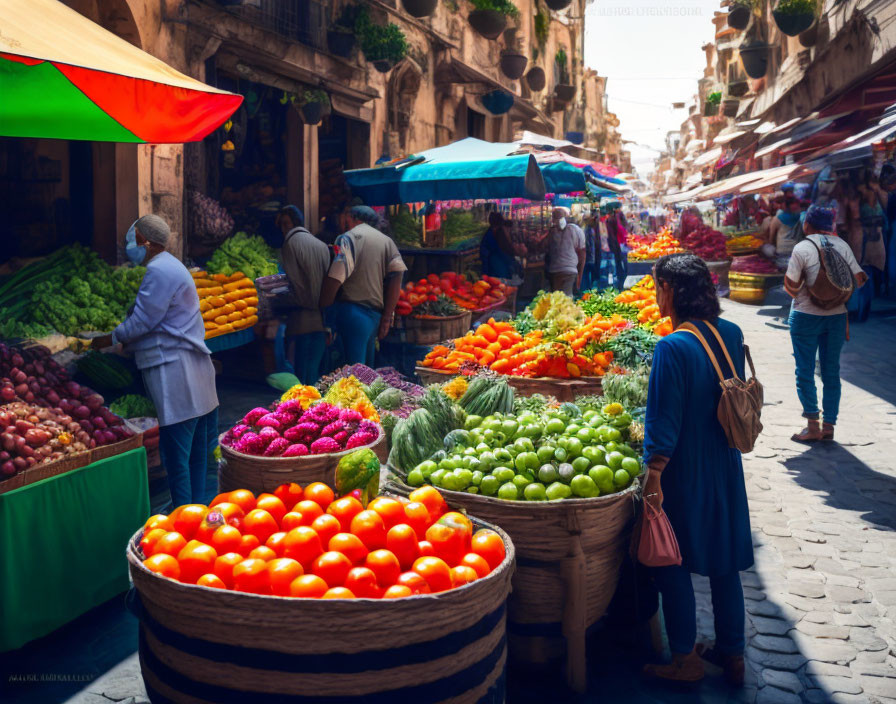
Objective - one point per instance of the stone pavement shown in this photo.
(821, 598)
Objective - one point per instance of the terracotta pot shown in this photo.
(754, 56)
(340, 42)
(792, 24)
(557, 4)
(739, 16)
(564, 92)
(489, 23)
(513, 64)
(420, 8)
(383, 65)
(312, 113)
(536, 79)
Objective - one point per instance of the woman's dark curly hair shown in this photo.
(694, 294)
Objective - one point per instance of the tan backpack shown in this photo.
(741, 404)
(835, 281)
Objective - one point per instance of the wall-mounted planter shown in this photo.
(420, 8)
(754, 56)
(558, 4)
(564, 92)
(489, 23)
(536, 79)
(730, 106)
(513, 64)
(383, 65)
(340, 42)
(738, 88)
(793, 24)
(739, 16)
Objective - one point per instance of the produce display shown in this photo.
(627, 386)
(106, 370)
(439, 306)
(754, 264)
(460, 228)
(697, 237)
(558, 454)
(466, 294)
(209, 217)
(406, 230)
(228, 302)
(69, 292)
(289, 431)
(743, 243)
(31, 435)
(643, 297)
(664, 243)
(243, 253)
(133, 406)
(306, 543)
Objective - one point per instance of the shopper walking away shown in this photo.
(496, 249)
(166, 335)
(694, 475)
(566, 253)
(305, 261)
(814, 328)
(590, 277)
(362, 285)
(615, 239)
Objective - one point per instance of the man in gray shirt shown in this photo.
(305, 261)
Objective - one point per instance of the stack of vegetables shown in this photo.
(307, 543)
(664, 243)
(69, 292)
(209, 217)
(754, 264)
(228, 302)
(460, 229)
(643, 297)
(743, 244)
(707, 243)
(406, 230)
(243, 253)
(481, 294)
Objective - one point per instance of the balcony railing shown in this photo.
(303, 21)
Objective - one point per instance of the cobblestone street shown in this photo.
(821, 598)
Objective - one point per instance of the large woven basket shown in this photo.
(561, 389)
(569, 554)
(204, 645)
(45, 471)
(237, 470)
(428, 330)
(116, 448)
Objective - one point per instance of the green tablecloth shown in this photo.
(62, 544)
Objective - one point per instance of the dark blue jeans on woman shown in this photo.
(824, 335)
(184, 449)
(680, 610)
(357, 327)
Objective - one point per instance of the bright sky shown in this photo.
(650, 52)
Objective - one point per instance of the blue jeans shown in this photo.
(309, 355)
(824, 334)
(680, 610)
(184, 449)
(357, 327)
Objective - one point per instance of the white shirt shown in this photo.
(804, 260)
(563, 250)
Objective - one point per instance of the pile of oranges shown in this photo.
(664, 243)
(309, 544)
(643, 297)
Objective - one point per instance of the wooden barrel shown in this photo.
(200, 645)
(561, 389)
(237, 470)
(569, 554)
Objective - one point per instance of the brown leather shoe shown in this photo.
(827, 432)
(732, 665)
(811, 433)
(684, 669)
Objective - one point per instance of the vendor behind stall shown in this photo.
(165, 333)
(496, 249)
(362, 285)
(305, 261)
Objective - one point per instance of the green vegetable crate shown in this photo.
(561, 389)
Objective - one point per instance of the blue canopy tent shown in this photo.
(469, 169)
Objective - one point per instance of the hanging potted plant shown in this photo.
(535, 79)
(794, 16)
(489, 18)
(739, 14)
(383, 45)
(738, 88)
(711, 104)
(341, 35)
(312, 105)
(420, 8)
(497, 102)
(557, 5)
(754, 56)
(513, 61)
(564, 90)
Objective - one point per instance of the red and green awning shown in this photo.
(65, 77)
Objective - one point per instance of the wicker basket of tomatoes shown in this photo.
(255, 599)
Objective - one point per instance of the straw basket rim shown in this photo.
(226, 449)
(501, 571)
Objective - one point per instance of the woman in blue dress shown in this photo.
(694, 475)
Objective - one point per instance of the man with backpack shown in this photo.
(821, 276)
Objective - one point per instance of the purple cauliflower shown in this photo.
(301, 432)
(227, 439)
(359, 440)
(322, 412)
(252, 416)
(324, 445)
(333, 428)
(297, 450)
(268, 435)
(348, 415)
(368, 426)
(340, 437)
(277, 447)
(239, 430)
(251, 444)
(269, 421)
(293, 406)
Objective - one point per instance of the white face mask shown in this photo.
(561, 223)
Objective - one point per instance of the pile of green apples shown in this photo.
(559, 454)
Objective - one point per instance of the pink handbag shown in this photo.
(657, 546)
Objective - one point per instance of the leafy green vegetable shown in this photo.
(405, 227)
(441, 307)
(633, 347)
(250, 255)
(628, 388)
(603, 303)
(133, 406)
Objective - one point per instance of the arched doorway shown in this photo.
(404, 84)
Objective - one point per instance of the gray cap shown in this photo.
(365, 214)
(154, 229)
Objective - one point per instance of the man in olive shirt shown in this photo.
(305, 261)
(362, 285)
